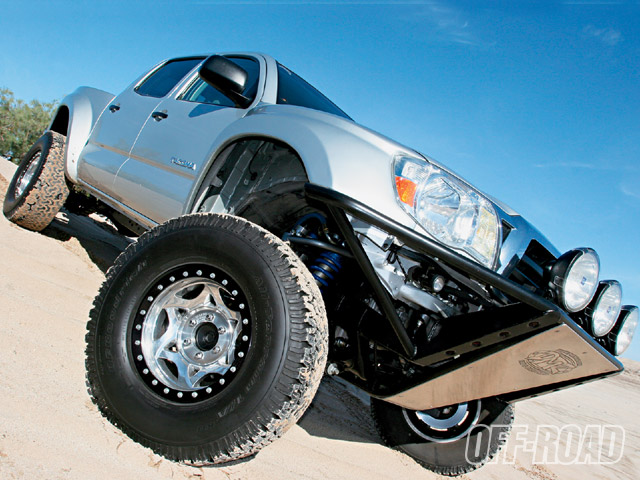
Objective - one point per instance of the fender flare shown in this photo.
(323, 148)
(75, 117)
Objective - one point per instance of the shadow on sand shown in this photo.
(337, 413)
(98, 238)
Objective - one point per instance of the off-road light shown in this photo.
(604, 308)
(620, 336)
(575, 278)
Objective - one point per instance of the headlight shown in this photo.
(448, 209)
(605, 307)
(575, 276)
(622, 333)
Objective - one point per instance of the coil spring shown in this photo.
(326, 268)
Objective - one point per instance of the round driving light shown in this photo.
(622, 333)
(575, 277)
(605, 307)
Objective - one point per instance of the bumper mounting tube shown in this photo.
(339, 204)
(384, 300)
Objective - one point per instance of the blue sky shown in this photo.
(536, 103)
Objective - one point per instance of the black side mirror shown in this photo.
(224, 75)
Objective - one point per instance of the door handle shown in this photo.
(159, 116)
(114, 108)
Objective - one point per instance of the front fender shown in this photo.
(84, 107)
(336, 153)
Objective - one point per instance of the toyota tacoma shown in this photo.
(278, 240)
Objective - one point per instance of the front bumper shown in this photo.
(523, 349)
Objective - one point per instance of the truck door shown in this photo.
(118, 127)
(176, 142)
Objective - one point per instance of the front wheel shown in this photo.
(450, 440)
(207, 341)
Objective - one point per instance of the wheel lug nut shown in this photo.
(216, 350)
(221, 330)
(199, 355)
(193, 322)
(186, 341)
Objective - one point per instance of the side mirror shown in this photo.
(224, 75)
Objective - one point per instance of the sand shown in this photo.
(49, 428)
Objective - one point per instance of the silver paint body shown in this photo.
(151, 170)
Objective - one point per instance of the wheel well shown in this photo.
(259, 179)
(60, 123)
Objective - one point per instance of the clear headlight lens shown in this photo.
(448, 209)
(622, 333)
(575, 274)
(605, 307)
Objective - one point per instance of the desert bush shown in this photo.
(21, 124)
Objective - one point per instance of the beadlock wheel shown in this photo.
(191, 333)
(207, 340)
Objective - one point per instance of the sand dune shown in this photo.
(49, 428)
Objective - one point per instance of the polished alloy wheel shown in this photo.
(444, 424)
(27, 175)
(191, 333)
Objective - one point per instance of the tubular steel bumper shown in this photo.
(524, 349)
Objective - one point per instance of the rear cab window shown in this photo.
(163, 79)
(293, 90)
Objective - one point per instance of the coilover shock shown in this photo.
(326, 268)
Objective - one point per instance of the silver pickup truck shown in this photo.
(278, 241)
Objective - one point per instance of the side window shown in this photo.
(201, 92)
(160, 82)
(293, 90)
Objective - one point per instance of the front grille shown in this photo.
(529, 271)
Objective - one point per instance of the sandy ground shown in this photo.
(49, 429)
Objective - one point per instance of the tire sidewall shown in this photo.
(130, 398)
(42, 145)
(448, 458)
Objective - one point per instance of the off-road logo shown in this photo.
(551, 362)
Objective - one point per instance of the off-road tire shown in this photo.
(446, 458)
(283, 365)
(36, 206)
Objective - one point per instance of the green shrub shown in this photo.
(21, 124)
